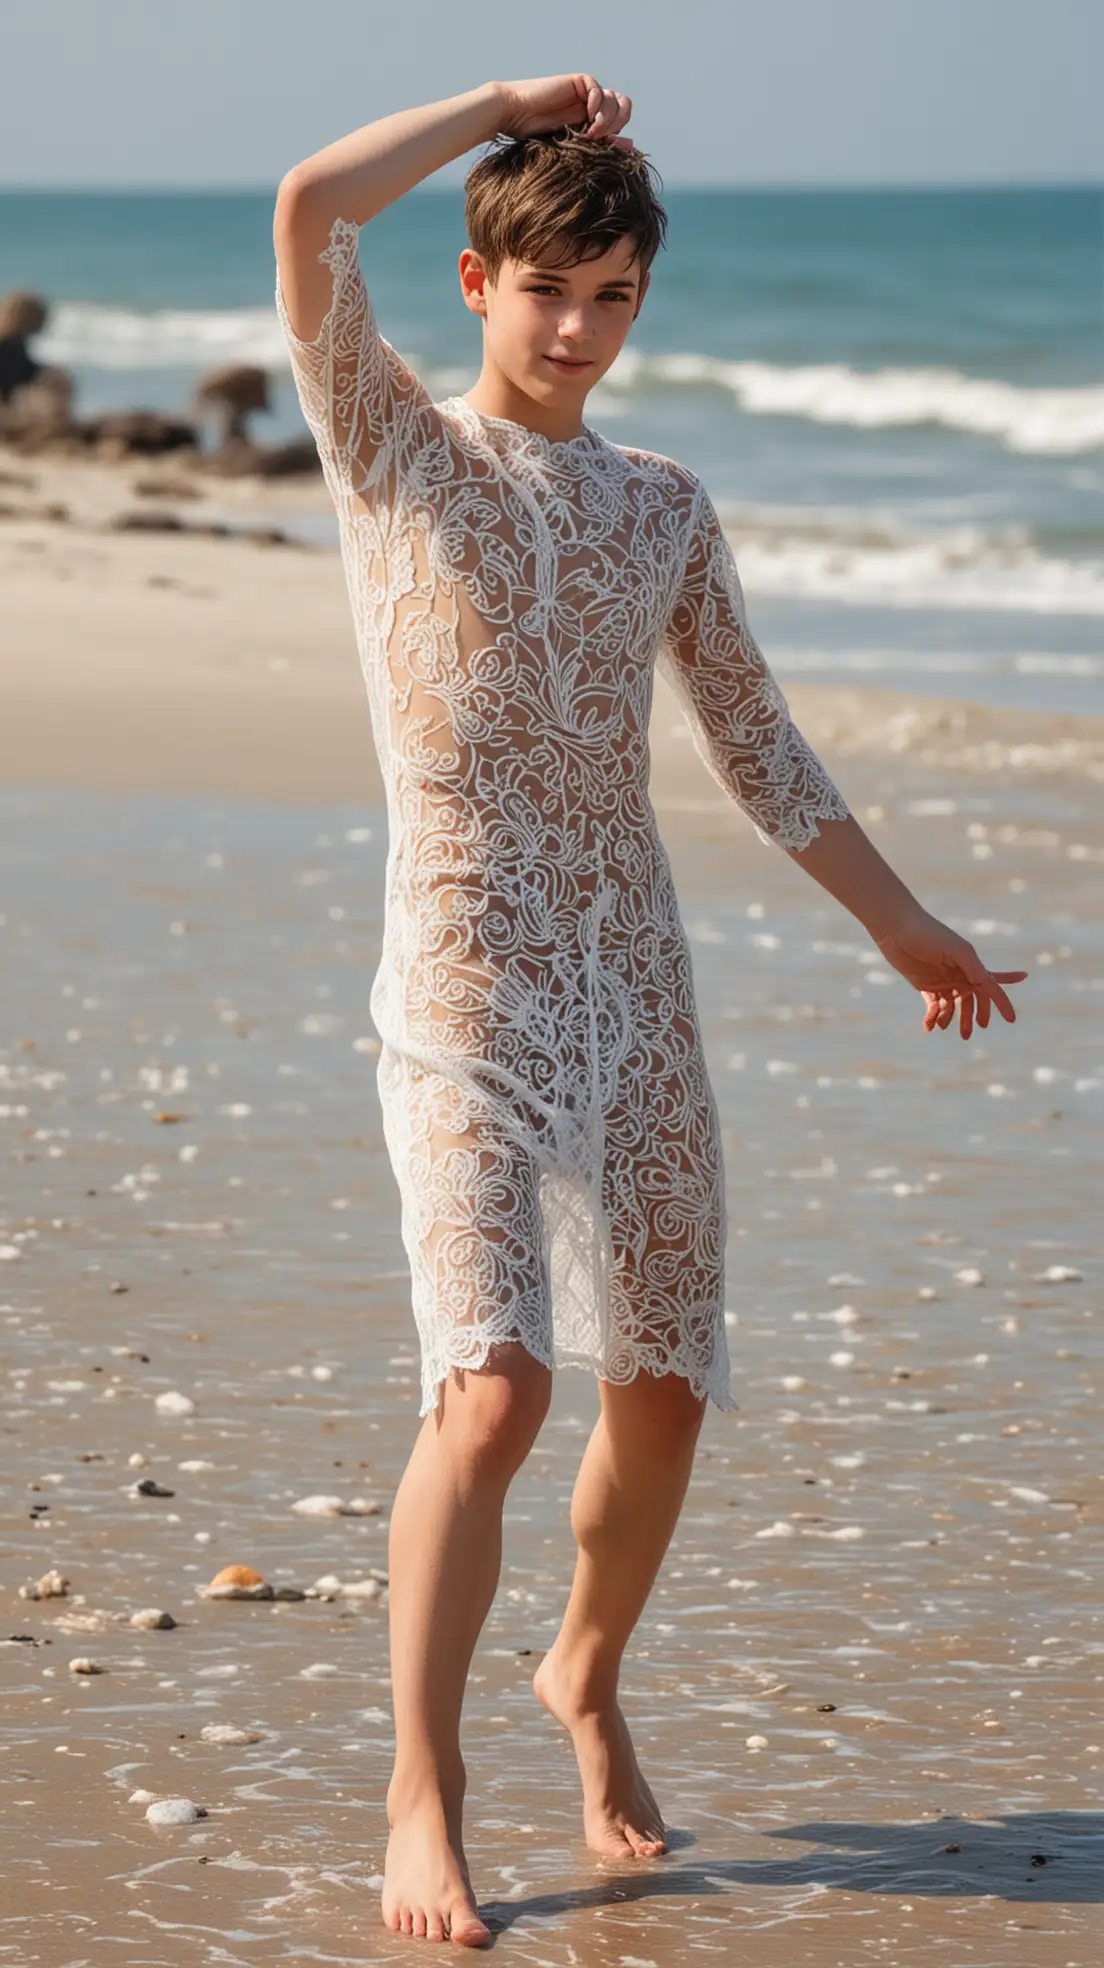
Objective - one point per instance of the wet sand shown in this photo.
(867, 1689)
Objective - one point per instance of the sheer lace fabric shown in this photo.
(546, 1104)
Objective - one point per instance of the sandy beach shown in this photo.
(867, 1689)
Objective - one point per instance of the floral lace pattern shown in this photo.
(546, 1104)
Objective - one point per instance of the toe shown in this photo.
(435, 1928)
(467, 1928)
(419, 1926)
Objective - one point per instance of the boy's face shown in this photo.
(553, 331)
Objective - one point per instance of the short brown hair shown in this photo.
(561, 198)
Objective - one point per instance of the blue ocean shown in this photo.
(895, 398)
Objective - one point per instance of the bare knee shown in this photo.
(490, 1416)
(658, 1413)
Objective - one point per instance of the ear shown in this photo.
(640, 296)
(473, 281)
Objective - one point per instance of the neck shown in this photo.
(495, 396)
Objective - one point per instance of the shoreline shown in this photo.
(177, 661)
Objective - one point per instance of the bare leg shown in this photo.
(445, 1548)
(628, 1495)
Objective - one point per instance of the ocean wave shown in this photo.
(868, 561)
(83, 335)
(1046, 422)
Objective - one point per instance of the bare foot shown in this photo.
(427, 1890)
(621, 1818)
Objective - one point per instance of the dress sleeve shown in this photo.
(738, 715)
(361, 401)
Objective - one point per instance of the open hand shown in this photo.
(949, 973)
(528, 108)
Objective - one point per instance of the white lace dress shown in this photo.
(546, 1105)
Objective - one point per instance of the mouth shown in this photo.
(567, 365)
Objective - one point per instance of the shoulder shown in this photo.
(677, 480)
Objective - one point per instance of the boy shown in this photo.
(513, 579)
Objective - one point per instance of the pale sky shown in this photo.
(143, 93)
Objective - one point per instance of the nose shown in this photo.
(573, 325)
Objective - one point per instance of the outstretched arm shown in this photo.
(743, 729)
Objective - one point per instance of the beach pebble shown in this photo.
(927, 1292)
(148, 1486)
(174, 1811)
(793, 1383)
(197, 1467)
(50, 1586)
(153, 1620)
(970, 1275)
(779, 1529)
(318, 1670)
(174, 1404)
(237, 1582)
(1059, 1274)
(842, 1359)
(142, 1797)
(225, 1732)
(319, 1506)
(137, 1460)
(332, 1587)
(85, 1666)
(757, 1742)
(333, 1506)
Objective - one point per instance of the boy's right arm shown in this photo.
(360, 175)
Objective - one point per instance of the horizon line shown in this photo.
(765, 186)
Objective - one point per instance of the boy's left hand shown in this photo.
(949, 973)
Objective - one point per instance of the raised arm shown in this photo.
(737, 713)
(359, 398)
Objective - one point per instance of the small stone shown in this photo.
(196, 1467)
(1059, 1274)
(174, 1811)
(148, 1486)
(142, 1797)
(50, 1586)
(927, 1292)
(757, 1742)
(237, 1582)
(137, 1460)
(363, 1507)
(970, 1275)
(85, 1666)
(174, 1404)
(153, 1620)
(319, 1506)
(225, 1732)
(318, 1671)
